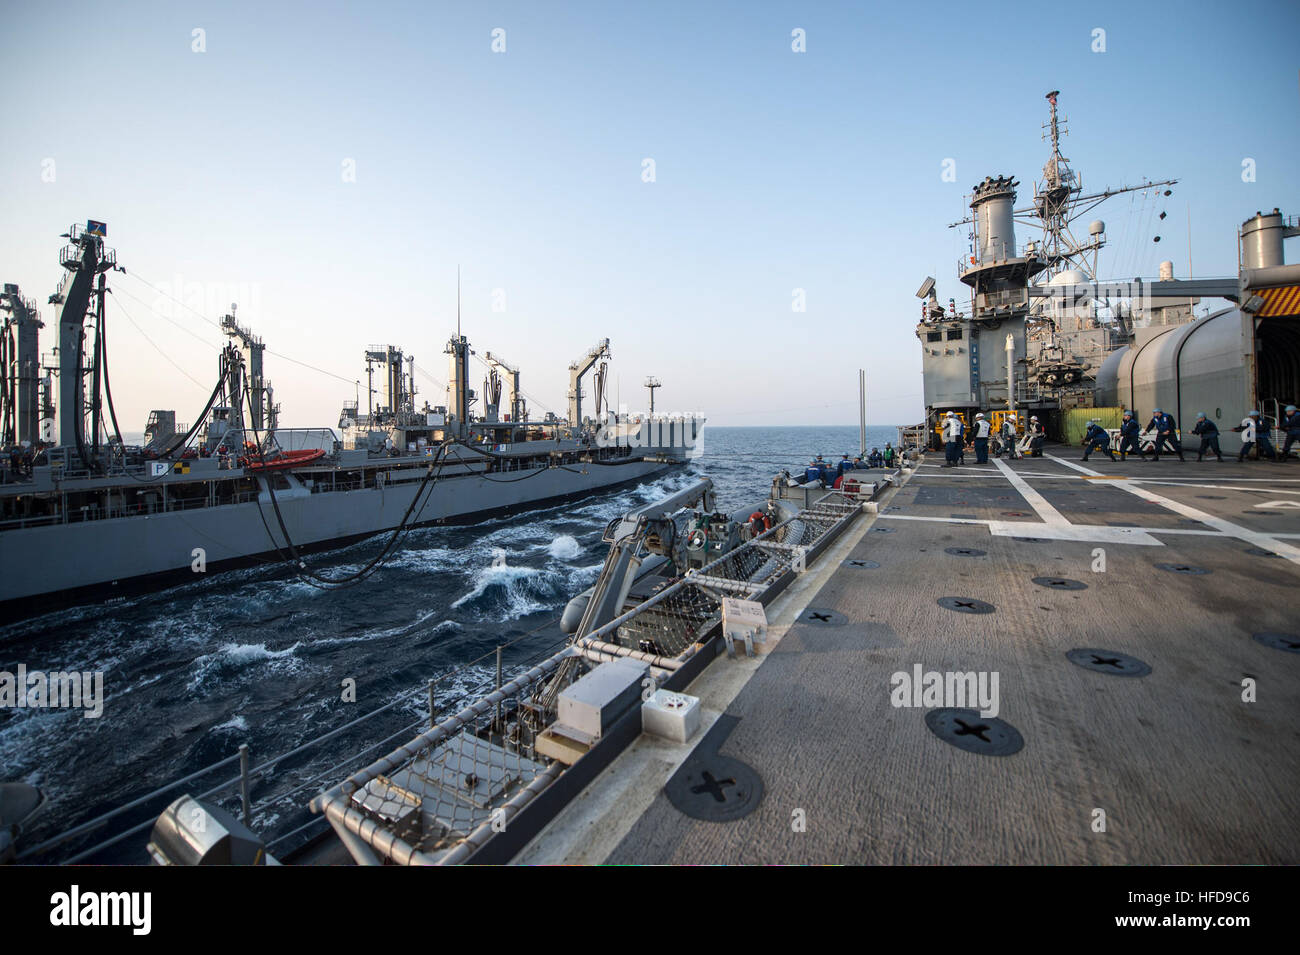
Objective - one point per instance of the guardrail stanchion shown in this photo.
(500, 728)
(243, 784)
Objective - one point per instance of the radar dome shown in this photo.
(1096, 227)
(1068, 277)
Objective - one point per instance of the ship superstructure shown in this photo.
(1044, 335)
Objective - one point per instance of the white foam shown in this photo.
(564, 547)
(242, 655)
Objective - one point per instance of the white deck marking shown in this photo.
(1049, 514)
(1037, 529)
(1216, 487)
(1094, 533)
(1261, 540)
(1037, 474)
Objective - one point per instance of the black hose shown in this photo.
(337, 583)
(108, 388)
(203, 415)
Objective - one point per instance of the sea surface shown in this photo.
(259, 657)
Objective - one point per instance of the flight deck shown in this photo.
(1140, 618)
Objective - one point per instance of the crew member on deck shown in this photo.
(1096, 439)
(1166, 429)
(1209, 433)
(951, 440)
(1291, 425)
(1037, 435)
(1129, 431)
(888, 455)
(1009, 435)
(1254, 434)
(981, 440)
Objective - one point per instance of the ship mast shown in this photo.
(1059, 202)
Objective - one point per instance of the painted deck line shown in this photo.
(1257, 538)
(1049, 514)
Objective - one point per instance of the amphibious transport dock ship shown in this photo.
(236, 487)
(1034, 660)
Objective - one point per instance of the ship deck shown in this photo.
(1183, 769)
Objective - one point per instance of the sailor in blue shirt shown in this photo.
(1254, 434)
(1129, 430)
(1096, 439)
(813, 473)
(1166, 429)
(1209, 433)
(1291, 425)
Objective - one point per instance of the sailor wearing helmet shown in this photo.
(1291, 425)
(1254, 434)
(1129, 430)
(982, 428)
(1209, 433)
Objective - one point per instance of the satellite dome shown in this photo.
(1096, 227)
(1068, 277)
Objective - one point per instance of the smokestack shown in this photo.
(995, 232)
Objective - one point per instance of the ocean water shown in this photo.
(257, 656)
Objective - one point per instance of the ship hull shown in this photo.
(48, 568)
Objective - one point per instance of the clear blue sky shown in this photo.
(775, 171)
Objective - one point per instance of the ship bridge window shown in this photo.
(954, 334)
(934, 336)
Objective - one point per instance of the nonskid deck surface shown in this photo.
(1182, 768)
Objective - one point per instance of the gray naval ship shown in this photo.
(1032, 660)
(236, 487)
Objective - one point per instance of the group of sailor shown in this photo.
(819, 469)
(955, 443)
(1164, 433)
(21, 459)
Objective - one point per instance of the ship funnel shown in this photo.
(995, 233)
(1261, 241)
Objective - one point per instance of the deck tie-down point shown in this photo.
(712, 787)
(967, 730)
(1108, 661)
(965, 605)
(1060, 583)
(1289, 642)
(823, 617)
